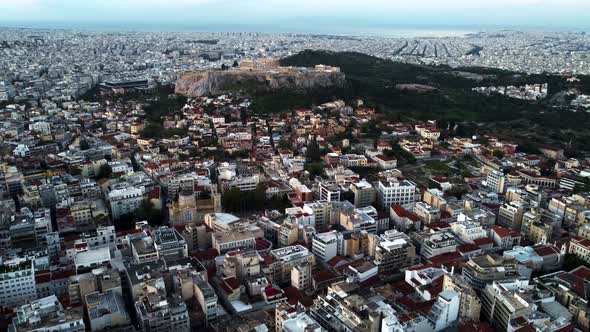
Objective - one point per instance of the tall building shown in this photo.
(445, 310)
(155, 312)
(438, 244)
(329, 192)
(496, 181)
(321, 213)
(395, 252)
(17, 281)
(510, 215)
(396, 192)
(326, 245)
(470, 304)
(501, 302)
(528, 218)
(169, 244)
(125, 200)
(241, 264)
(301, 276)
(364, 193)
(206, 297)
(284, 259)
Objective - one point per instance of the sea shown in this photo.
(360, 30)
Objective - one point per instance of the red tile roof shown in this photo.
(445, 258)
(504, 232)
(468, 247)
(546, 250)
(270, 291)
(403, 213)
(483, 241)
(293, 295)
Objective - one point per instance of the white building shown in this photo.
(301, 216)
(329, 192)
(17, 281)
(47, 314)
(468, 231)
(353, 160)
(438, 244)
(445, 310)
(125, 201)
(496, 181)
(21, 151)
(396, 192)
(325, 245)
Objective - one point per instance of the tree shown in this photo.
(313, 152)
(235, 200)
(314, 169)
(498, 154)
(84, 145)
(236, 64)
(149, 213)
(284, 144)
(457, 191)
(571, 262)
(105, 172)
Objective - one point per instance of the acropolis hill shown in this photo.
(258, 75)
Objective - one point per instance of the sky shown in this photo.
(297, 14)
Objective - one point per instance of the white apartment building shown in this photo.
(126, 200)
(396, 192)
(325, 245)
(329, 192)
(496, 181)
(468, 231)
(438, 244)
(17, 281)
(445, 310)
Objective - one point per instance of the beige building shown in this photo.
(434, 197)
(581, 248)
(364, 193)
(233, 240)
(241, 265)
(510, 215)
(301, 276)
(470, 305)
(285, 259)
(395, 252)
(187, 209)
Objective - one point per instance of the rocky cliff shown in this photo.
(195, 84)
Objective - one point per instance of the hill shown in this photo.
(374, 80)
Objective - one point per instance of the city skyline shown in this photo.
(367, 17)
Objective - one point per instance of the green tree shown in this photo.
(285, 144)
(149, 213)
(105, 172)
(313, 152)
(498, 154)
(84, 145)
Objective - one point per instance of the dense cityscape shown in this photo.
(143, 187)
